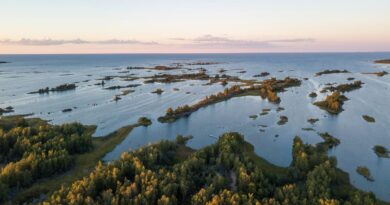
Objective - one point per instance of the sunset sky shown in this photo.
(193, 26)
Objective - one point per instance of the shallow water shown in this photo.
(28, 73)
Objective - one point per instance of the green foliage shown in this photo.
(3, 192)
(181, 140)
(381, 151)
(333, 103)
(365, 172)
(222, 173)
(30, 152)
(344, 87)
(144, 121)
(329, 140)
(268, 89)
(368, 118)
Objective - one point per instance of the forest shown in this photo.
(227, 172)
(32, 149)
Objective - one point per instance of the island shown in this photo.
(60, 88)
(348, 87)
(379, 74)
(329, 140)
(312, 120)
(157, 67)
(384, 61)
(325, 72)
(313, 95)
(8, 109)
(116, 87)
(368, 118)
(381, 151)
(158, 91)
(365, 172)
(266, 90)
(282, 120)
(263, 74)
(333, 103)
(144, 121)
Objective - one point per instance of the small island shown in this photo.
(116, 87)
(144, 121)
(162, 67)
(126, 92)
(333, 103)
(368, 118)
(157, 67)
(381, 151)
(329, 140)
(263, 74)
(348, 87)
(8, 109)
(312, 120)
(158, 91)
(3, 62)
(67, 110)
(60, 88)
(282, 120)
(365, 172)
(379, 74)
(253, 117)
(326, 72)
(384, 61)
(313, 95)
(265, 111)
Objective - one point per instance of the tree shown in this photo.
(170, 111)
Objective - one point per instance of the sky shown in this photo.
(193, 26)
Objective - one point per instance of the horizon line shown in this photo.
(185, 53)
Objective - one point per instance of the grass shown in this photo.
(84, 164)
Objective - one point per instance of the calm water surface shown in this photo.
(93, 105)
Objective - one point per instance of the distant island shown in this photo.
(384, 61)
(1, 62)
